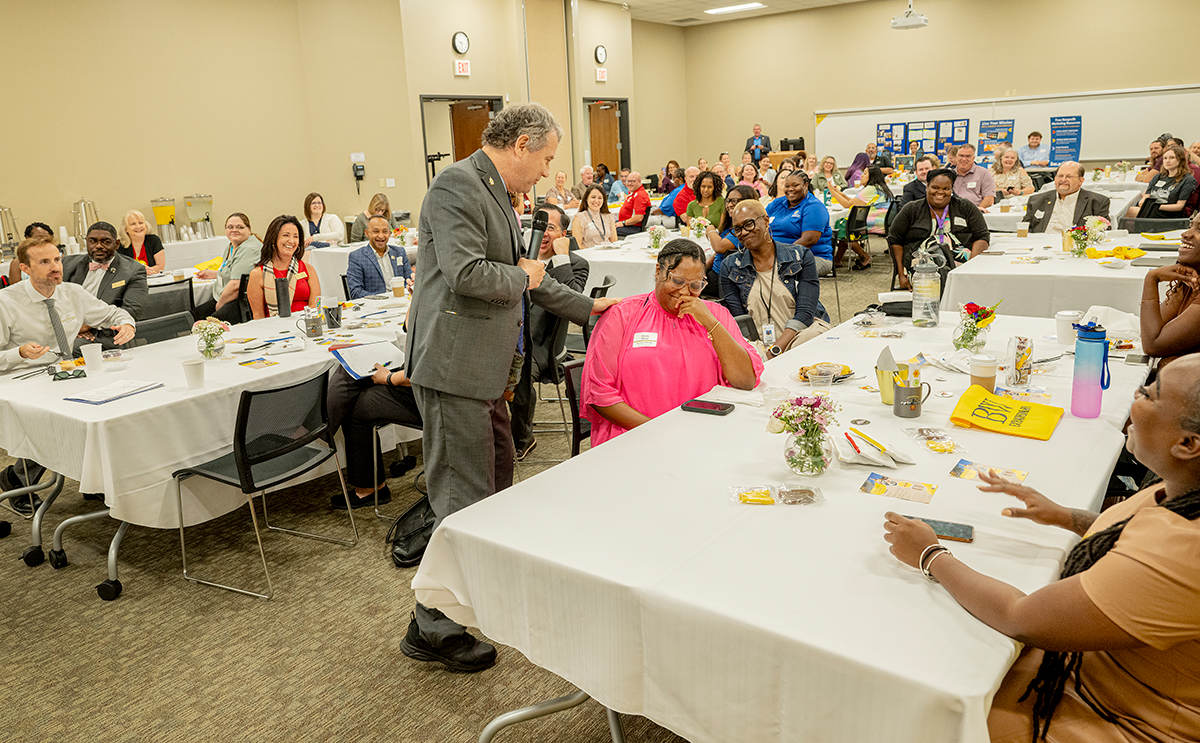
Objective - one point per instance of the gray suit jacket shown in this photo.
(1089, 204)
(468, 306)
(123, 286)
(545, 342)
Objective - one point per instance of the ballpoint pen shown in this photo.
(869, 440)
(852, 442)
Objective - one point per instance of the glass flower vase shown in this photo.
(808, 455)
(210, 348)
(968, 335)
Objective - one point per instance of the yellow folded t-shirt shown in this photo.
(978, 408)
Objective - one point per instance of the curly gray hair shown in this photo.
(530, 119)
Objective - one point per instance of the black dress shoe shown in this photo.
(25, 504)
(463, 653)
(93, 496)
(357, 501)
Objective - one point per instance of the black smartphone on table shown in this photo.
(949, 530)
(705, 406)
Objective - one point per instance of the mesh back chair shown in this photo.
(553, 374)
(273, 442)
(577, 343)
(748, 328)
(346, 287)
(169, 299)
(1142, 224)
(163, 328)
(581, 428)
(243, 301)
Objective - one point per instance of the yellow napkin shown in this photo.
(978, 408)
(212, 265)
(1123, 252)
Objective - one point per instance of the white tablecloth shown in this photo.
(187, 254)
(629, 261)
(1113, 183)
(330, 264)
(628, 572)
(1044, 288)
(127, 449)
(201, 288)
(1120, 199)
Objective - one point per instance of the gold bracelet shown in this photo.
(712, 330)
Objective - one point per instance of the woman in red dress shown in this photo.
(281, 259)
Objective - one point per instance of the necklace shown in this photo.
(602, 227)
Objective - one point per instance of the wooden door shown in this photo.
(468, 119)
(604, 123)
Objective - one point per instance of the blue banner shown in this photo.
(1065, 135)
(992, 134)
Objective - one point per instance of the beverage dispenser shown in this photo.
(199, 209)
(164, 217)
(84, 215)
(9, 237)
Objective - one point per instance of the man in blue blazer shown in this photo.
(373, 266)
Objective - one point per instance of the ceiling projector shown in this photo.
(910, 19)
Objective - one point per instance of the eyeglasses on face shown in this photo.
(695, 286)
(744, 226)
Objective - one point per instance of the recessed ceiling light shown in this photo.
(735, 8)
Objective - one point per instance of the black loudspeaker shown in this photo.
(792, 145)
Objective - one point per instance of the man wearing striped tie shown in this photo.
(38, 320)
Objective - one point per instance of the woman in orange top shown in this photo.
(281, 258)
(1112, 650)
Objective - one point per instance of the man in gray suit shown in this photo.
(467, 334)
(108, 276)
(1067, 205)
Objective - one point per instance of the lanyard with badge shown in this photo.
(768, 333)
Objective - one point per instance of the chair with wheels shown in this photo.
(243, 301)
(169, 299)
(577, 343)
(163, 328)
(346, 287)
(273, 442)
(581, 428)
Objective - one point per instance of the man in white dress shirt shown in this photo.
(42, 316)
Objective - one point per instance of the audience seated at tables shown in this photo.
(39, 319)
(914, 149)
(758, 145)
(971, 181)
(727, 179)
(775, 190)
(282, 258)
(720, 235)
(567, 267)
(858, 166)
(357, 406)
(767, 173)
(953, 226)
(604, 178)
(666, 207)
(112, 278)
(241, 256)
(618, 191)
(380, 205)
(746, 158)
(749, 177)
(586, 179)
(829, 174)
(634, 213)
(914, 190)
(666, 177)
(594, 224)
(702, 164)
(1169, 191)
(653, 352)
(774, 282)
(878, 159)
(144, 247)
(800, 217)
(951, 154)
(321, 228)
(1068, 205)
(1110, 648)
(687, 195)
(1034, 154)
(812, 167)
(1171, 329)
(726, 163)
(709, 203)
(371, 268)
(1153, 162)
(34, 229)
(559, 194)
(877, 195)
(1011, 179)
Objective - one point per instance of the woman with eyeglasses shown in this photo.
(949, 224)
(321, 228)
(829, 173)
(720, 235)
(773, 282)
(241, 256)
(652, 353)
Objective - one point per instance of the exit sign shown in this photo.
(601, 74)
(462, 68)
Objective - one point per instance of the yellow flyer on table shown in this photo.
(212, 265)
(978, 408)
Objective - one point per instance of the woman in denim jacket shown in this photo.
(775, 283)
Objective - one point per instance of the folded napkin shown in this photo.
(1117, 324)
(1123, 252)
(868, 455)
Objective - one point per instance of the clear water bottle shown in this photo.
(1091, 375)
(927, 288)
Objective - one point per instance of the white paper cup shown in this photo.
(179, 274)
(93, 357)
(983, 370)
(1063, 320)
(398, 287)
(193, 371)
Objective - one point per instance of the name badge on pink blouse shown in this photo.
(645, 340)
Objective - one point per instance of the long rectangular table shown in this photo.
(629, 572)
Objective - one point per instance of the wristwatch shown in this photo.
(775, 350)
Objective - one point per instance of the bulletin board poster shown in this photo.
(1065, 135)
(890, 138)
(924, 133)
(951, 131)
(992, 134)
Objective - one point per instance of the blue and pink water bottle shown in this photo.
(1091, 370)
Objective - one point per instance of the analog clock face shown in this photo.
(601, 55)
(461, 42)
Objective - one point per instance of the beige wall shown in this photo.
(661, 124)
(592, 23)
(546, 43)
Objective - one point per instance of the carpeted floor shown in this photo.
(174, 661)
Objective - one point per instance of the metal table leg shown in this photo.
(58, 556)
(111, 588)
(543, 709)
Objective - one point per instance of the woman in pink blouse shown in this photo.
(656, 351)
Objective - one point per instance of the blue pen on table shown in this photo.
(276, 340)
(372, 314)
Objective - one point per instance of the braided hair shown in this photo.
(1056, 668)
(673, 253)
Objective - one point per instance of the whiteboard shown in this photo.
(1117, 124)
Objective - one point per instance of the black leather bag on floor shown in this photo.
(410, 534)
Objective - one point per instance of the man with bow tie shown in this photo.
(108, 276)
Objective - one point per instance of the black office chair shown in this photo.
(581, 428)
(748, 328)
(243, 301)
(163, 328)
(1142, 224)
(577, 343)
(272, 443)
(169, 299)
(346, 286)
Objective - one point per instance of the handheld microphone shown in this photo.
(535, 237)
